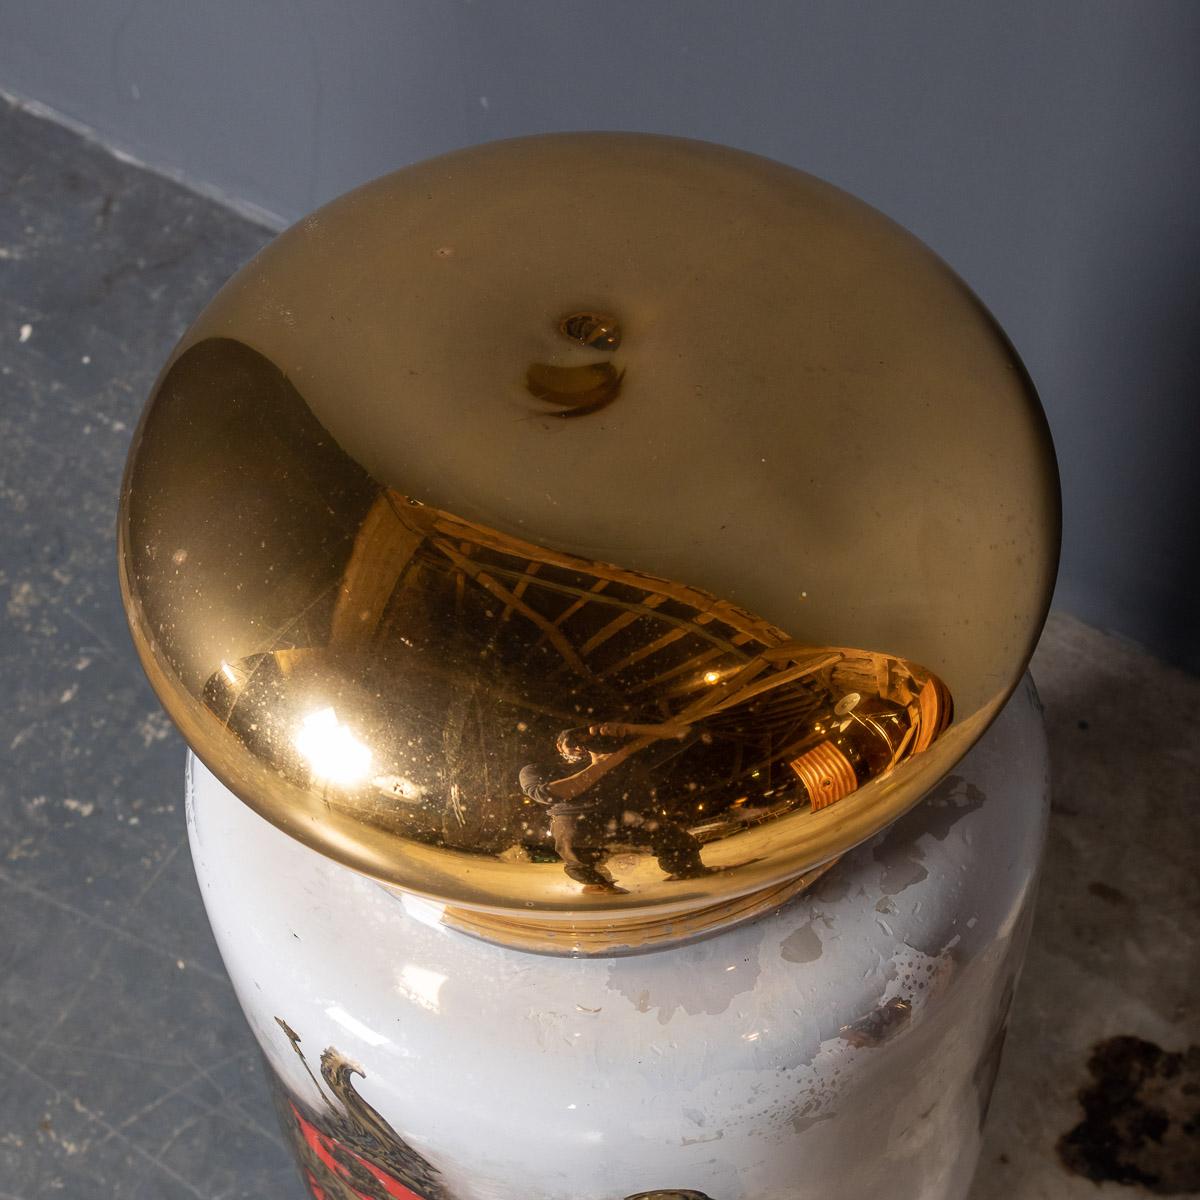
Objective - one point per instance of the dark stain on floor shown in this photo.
(1141, 1121)
(1107, 893)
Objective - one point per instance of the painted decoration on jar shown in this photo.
(349, 1152)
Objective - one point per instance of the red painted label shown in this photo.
(328, 1151)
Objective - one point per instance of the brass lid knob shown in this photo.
(589, 530)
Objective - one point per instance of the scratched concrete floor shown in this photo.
(125, 1068)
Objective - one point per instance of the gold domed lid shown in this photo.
(589, 532)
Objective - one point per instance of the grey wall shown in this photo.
(1047, 149)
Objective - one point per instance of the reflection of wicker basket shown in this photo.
(570, 642)
(627, 644)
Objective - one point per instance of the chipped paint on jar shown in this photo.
(844, 1045)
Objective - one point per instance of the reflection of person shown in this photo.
(606, 799)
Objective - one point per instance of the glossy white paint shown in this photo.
(773, 1061)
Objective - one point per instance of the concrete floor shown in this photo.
(125, 1067)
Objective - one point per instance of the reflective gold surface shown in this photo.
(663, 657)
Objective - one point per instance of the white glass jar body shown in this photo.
(842, 1047)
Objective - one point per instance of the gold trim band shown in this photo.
(559, 935)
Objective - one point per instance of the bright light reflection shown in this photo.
(428, 912)
(711, 676)
(422, 986)
(333, 752)
(335, 1012)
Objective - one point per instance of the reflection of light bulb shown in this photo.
(711, 676)
(333, 752)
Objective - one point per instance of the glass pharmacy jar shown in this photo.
(842, 1045)
(595, 576)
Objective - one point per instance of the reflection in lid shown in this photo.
(534, 706)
